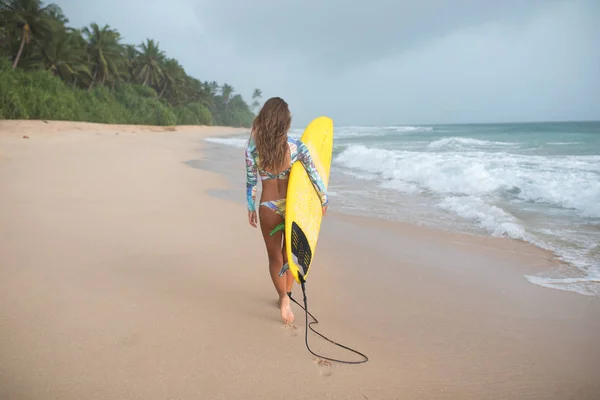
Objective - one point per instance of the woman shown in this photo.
(270, 153)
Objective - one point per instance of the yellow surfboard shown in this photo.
(303, 211)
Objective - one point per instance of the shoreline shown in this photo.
(560, 272)
(122, 277)
(544, 260)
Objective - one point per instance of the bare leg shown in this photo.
(289, 283)
(268, 220)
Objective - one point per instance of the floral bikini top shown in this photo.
(298, 152)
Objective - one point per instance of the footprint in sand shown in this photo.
(324, 366)
(291, 330)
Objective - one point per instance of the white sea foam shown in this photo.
(369, 131)
(588, 285)
(462, 142)
(412, 128)
(386, 129)
(477, 185)
(493, 219)
(568, 182)
(233, 142)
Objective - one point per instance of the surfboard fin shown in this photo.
(284, 268)
(277, 228)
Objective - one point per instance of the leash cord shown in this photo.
(309, 325)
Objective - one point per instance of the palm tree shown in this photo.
(56, 15)
(64, 55)
(196, 92)
(31, 18)
(104, 52)
(255, 96)
(130, 63)
(151, 60)
(214, 87)
(173, 78)
(226, 91)
(211, 88)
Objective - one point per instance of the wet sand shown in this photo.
(122, 277)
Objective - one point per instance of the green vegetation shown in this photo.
(49, 70)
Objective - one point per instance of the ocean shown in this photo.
(535, 182)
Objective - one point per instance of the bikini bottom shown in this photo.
(276, 205)
(279, 207)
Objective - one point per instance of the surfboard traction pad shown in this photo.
(300, 249)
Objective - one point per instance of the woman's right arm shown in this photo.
(251, 179)
(305, 158)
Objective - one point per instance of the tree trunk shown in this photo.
(93, 79)
(162, 91)
(20, 51)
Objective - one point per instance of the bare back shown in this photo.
(274, 189)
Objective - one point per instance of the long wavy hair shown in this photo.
(270, 128)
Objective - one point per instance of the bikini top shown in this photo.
(255, 159)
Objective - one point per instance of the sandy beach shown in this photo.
(122, 277)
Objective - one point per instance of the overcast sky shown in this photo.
(381, 62)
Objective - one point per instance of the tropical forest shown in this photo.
(50, 70)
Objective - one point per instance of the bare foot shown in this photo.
(286, 310)
(279, 301)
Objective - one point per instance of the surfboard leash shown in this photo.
(309, 325)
